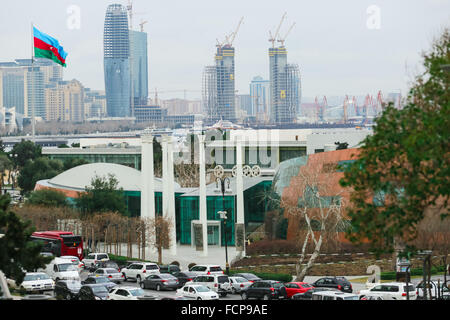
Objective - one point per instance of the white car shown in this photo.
(203, 269)
(93, 258)
(62, 269)
(391, 291)
(197, 292)
(139, 271)
(129, 293)
(334, 295)
(238, 284)
(34, 282)
(444, 290)
(112, 274)
(75, 261)
(219, 283)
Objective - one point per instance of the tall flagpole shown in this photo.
(32, 83)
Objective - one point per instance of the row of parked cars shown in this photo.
(200, 282)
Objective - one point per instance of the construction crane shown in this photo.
(345, 109)
(285, 36)
(142, 25)
(274, 37)
(355, 104)
(232, 36)
(380, 101)
(367, 102)
(320, 108)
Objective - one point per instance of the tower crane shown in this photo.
(285, 36)
(274, 37)
(142, 25)
(232, 36)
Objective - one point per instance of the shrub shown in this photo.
(175, 263)
(190, 265)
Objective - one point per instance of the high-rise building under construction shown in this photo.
(117, 61)
(284, 87)
(218, 86)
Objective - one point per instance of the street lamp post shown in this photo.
(223, 215)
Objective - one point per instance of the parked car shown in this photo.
(93, 258)
(308, 294)
(172, 269)
(297, 287)
(206, 269)
(163, 281)
(129, 293)
(197, 292)
(183, 277)
(139, 270)
(67, 289)
(75, 261)
(104, 264)
(249, 276)
(238, 284)
(34, 282)
(265, 289)
(444, 290)
(333, 295)
(62, 269)
(109, 285)
(392, 291)
(219, 283)
(93, 292)
(111, 273)
(339, 283)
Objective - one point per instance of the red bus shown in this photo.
(60, 243)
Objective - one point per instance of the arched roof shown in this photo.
(81, 176)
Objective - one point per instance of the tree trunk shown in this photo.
(311, 260)
(302, 257)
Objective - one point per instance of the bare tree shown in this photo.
(158, 233)
(317, 207)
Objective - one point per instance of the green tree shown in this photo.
(402, 174)
(74, 162)
(5, 165)
(102, 195)
(38, 169)
(24, 151)
(17, 252)
(48, 198)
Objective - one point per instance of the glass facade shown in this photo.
(117, 61)
(13, 89)
(140, 66)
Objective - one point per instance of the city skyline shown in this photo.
(335, 48)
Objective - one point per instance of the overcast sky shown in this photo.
(341, 46)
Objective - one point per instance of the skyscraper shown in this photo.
(139, 54)
(219, 87)
(260, 95)
(284, 87)
(117, 61)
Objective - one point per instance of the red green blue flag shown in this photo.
(48, 47)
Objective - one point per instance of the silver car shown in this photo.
(110, 273)
(238, 284)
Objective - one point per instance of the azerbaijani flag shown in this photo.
(48, 47)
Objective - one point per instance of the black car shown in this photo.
(249, 276)
(100, 280)
(104, 264)
(184, 277)
(172, 269)
(67, 289)
(265, 289)
(92, 292)
(308, 294)
(339, 283)
(163, 281)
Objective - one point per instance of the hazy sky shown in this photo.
(340, 46)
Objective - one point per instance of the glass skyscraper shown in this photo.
(140, 66)
(117, 61)
(284, 87)
(260, 95)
